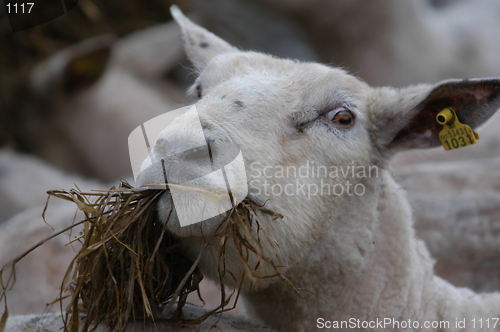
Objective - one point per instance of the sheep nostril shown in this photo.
(200, 153)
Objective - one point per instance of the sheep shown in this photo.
(353, 257)
(24, 180)
(78, 119)
(456, 214)
(391, 42)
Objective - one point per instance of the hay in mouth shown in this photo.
(129, 267)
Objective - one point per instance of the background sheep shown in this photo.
(78, 119)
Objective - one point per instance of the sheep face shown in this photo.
(312, 137)
(284, 132)
(288, 119)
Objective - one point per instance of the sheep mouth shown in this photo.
(169, 210)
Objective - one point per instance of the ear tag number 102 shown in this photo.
(454, 134)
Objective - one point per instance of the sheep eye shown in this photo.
(341, 117)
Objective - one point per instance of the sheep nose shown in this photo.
(198, 163)
(186, 162)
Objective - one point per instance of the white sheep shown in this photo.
(78, 119)
(391, 42)
(456, 213)
(354, 257)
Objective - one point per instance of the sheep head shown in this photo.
(312, 137)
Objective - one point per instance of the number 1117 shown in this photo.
(21, 8)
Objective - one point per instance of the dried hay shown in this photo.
(129, 267)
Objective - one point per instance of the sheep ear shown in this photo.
(84, 70)
(200, 45)
(407, 117)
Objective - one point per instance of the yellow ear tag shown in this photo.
(454, 134)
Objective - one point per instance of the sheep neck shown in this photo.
(369, 265)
